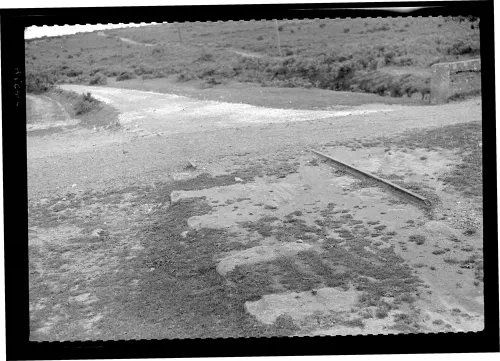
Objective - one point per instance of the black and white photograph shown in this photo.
(255, 178)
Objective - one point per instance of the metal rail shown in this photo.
(358, 171)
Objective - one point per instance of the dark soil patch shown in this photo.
(185, 294)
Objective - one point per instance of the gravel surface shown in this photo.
(149, 147)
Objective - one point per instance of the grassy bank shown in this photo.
(91, 112)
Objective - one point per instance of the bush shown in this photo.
(403, 61)
(73, 72)
(388, 57)
(346, 30)
(186, 76)
(322, 25)
(157, 51)
(125, 75)
(85, 104)
(98, 79)
(141, 69)
(260, 38)
(381, 313)
(461, 48)
(38, 83)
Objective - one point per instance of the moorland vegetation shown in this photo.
(361, 55)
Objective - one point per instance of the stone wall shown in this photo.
(453, 78)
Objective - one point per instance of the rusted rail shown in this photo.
(358, 171)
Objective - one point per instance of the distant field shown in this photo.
(390, 57)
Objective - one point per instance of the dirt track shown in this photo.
(162, 131)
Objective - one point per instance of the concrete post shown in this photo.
(440, 81)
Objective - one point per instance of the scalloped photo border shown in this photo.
(13, 24)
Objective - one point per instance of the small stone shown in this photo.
(237, 179)
(299, 241)
(184, 234)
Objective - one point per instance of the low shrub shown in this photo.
(186, 76)
(98, 79)
(417, 238)
(462, 47)
(125, 75)
(38, 83)
(142, 69)
(85, 104)
(73, 72)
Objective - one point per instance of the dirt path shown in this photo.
(133, 42)
(44, 112)
(246, 53)
(161, 131)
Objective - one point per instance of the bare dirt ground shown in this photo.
(261, 238)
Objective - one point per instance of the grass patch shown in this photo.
(357, 322)
(451, 260)
(437, 252)
(418, 239)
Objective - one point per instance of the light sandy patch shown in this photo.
(398, 163)
(49, 324)
(55, 235)
(39, 305)
(259, 254)
(88, 324)
(85, 298)
(437, 229)
(133, 42)
(302, 304)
